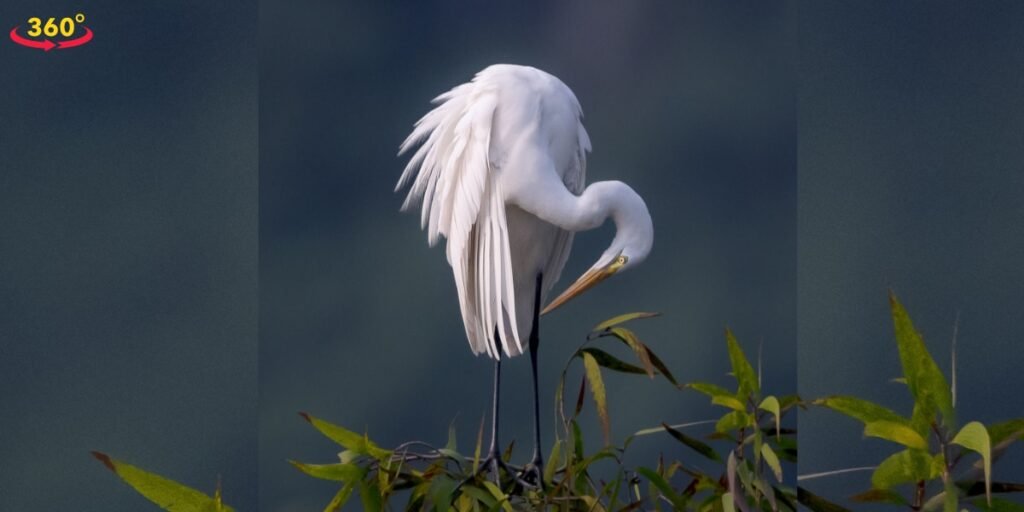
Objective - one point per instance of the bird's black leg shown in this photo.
(534, 471)
(494, 455)
(494, 463)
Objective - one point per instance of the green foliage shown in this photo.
(167, 494)
(417, 476)
(931, 446)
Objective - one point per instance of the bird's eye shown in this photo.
(621, 260)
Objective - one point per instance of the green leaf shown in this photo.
(656, 361)
(480, 495)
(341, 497)
(973, 436)
(638, 347)
(896, 432)
(772, 460)
(344, 437)
(597, 390)
(678, 502)
(734, 420)
(709, 389)
(817, 503)
(1005, 430)
(499, 495)
(577, 440)
(369, 494)
(166, 493)
(998, 505)
(554, 459)
(927, 384)
(730, 402)
(741, 368)
(860, 409)
(339, 472)
(611, 362)
(771, 404)
(692, 443)
(611, 322)
(440, 493)
(727, 503)
(479, 445)
(905, 467)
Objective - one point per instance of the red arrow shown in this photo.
(78, 41)
(45, 45)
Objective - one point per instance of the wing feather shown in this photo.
(461, 198)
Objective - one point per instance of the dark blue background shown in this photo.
(128, 224)
(911, 178)
(693, 104)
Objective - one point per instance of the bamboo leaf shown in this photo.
(656, 361)
(1002, 431)
(659, 482)
(730, 402)
(166, 493)
(927, 384)
(440, 493)
(339, 472)
(593, 372)
(692, 443)
(709, 389)
(896, 432)
(621, 319)
(554, 459)
(727, 503)
(638, 347)
(341, 497)
(499, 495)
(772, 460)
(771, 404)
(369, 494)
(974, 436)
(733, 420)
(998, 505)
(860, 409)
(904, 467)
(344, 437)
(611, 362)
(741, 368)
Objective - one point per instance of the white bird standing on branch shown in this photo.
(500, 174)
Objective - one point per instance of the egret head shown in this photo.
(634, 236)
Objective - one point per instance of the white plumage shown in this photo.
(499, 173)
(460, 171)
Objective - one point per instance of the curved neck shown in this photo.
(634, 229)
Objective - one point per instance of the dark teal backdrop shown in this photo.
(911, 178)
(693, 104)
(128, 224)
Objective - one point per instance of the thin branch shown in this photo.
(812, 476)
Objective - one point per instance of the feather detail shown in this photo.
(452, 178)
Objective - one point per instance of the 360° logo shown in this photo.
(65, 27)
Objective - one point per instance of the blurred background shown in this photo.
(128, 225)
(692, 104)
(911, 178)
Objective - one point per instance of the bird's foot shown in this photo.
(532, 475)
(494, 465)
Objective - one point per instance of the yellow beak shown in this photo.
(585, 282)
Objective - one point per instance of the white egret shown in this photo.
(500, 174)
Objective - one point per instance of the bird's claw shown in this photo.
(531, 477)
(528, 478)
